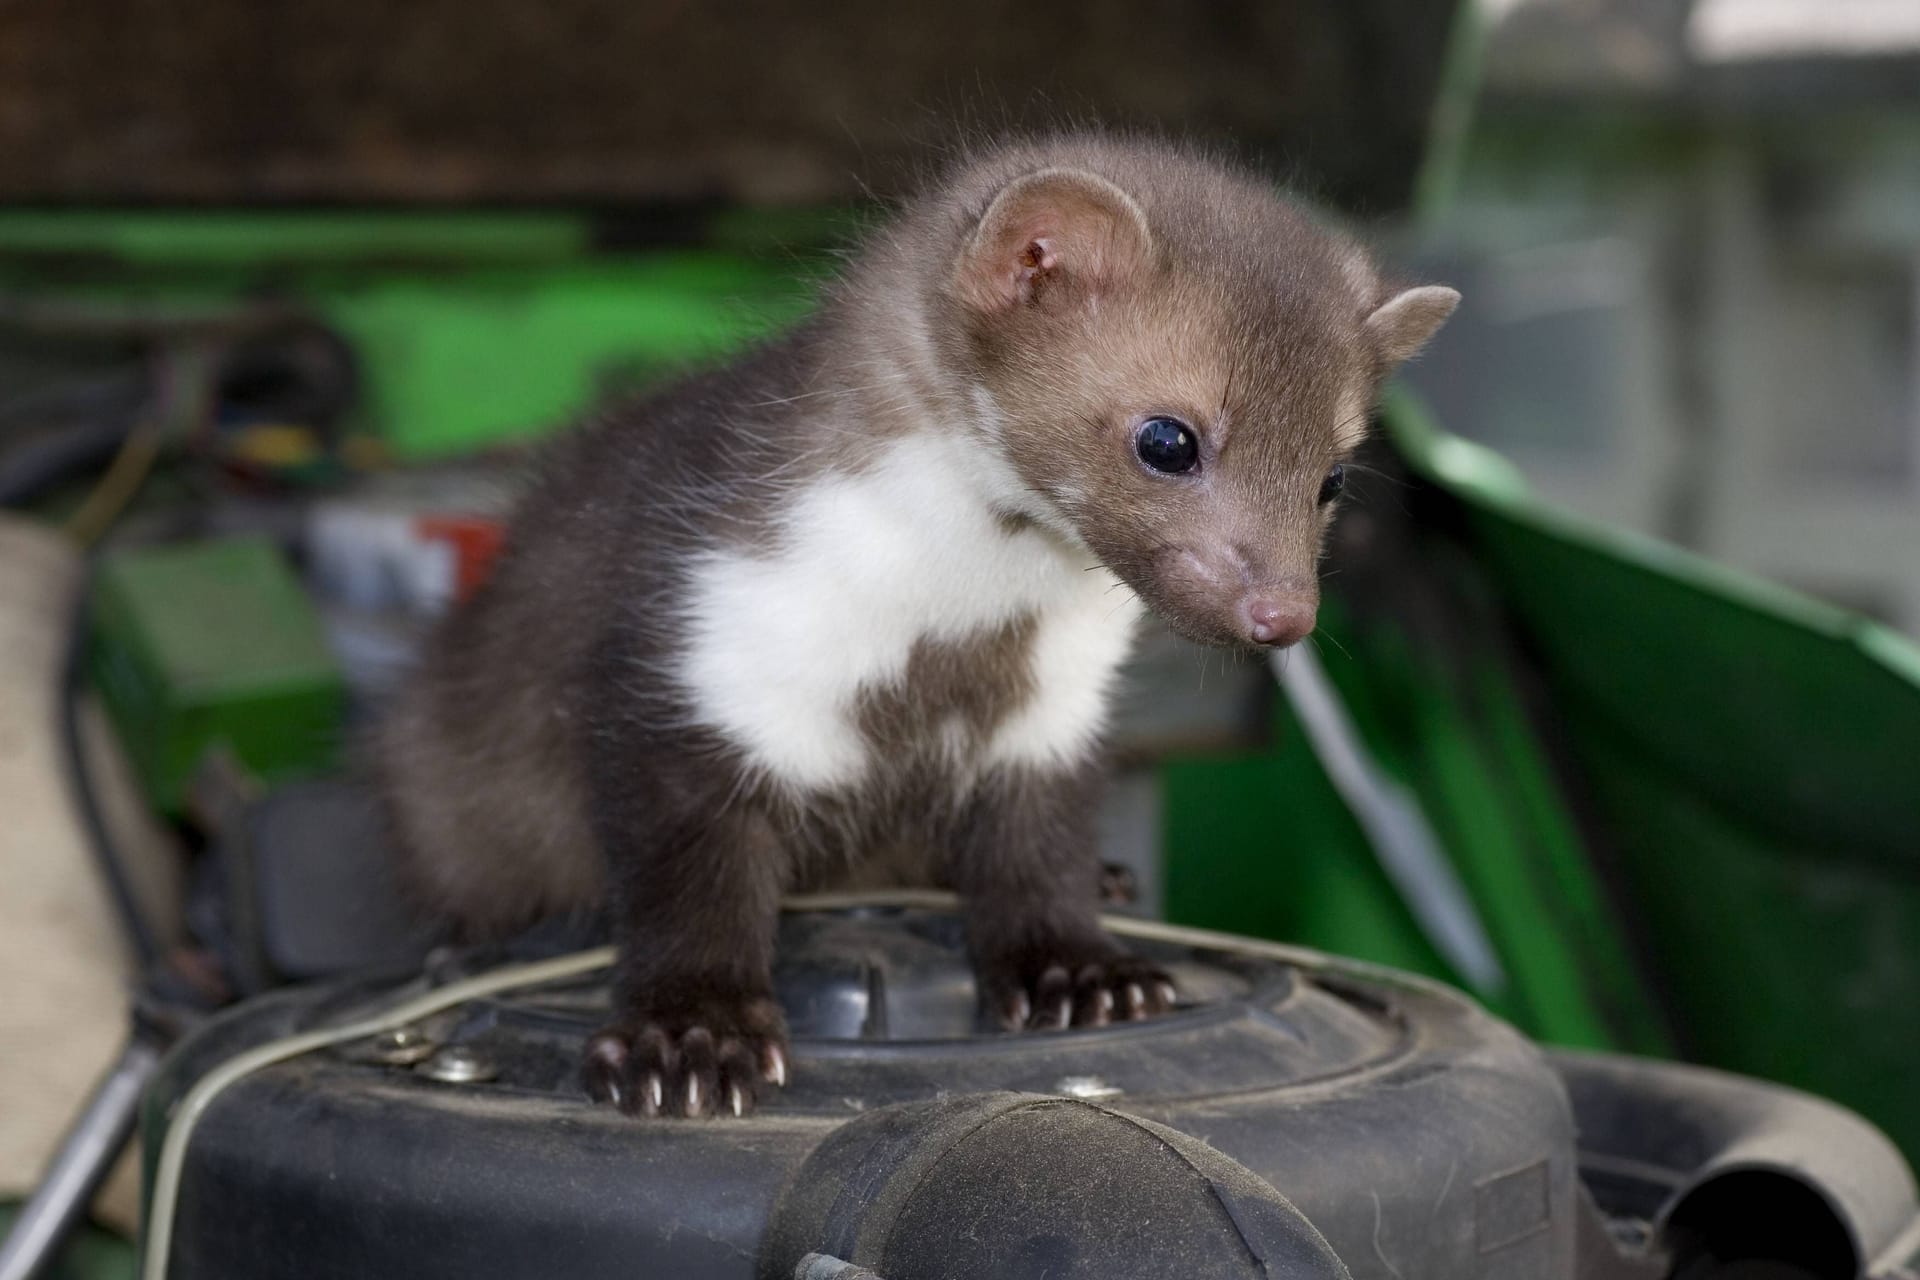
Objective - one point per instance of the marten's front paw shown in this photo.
(1048, 992)
(699, 1057)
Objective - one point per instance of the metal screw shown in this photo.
(401, 1047)
(1086, 1087)
(459, 1064)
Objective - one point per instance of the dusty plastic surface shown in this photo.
(1293, 1099)
(1722, 1167)
(1010, 1184)
(1414, 1132)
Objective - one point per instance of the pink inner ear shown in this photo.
(1051, 223)
(1036, 260)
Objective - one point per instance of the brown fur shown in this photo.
(1040, 301)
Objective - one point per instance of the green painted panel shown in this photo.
(1264, 845)
(490, 356)
(1754, 759)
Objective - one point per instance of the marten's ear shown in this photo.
(1402, 324)
(1050, 227)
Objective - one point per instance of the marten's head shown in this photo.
(1178, 363)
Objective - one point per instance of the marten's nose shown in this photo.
(1278, 618)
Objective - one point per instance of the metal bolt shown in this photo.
(401, 1047)
(459, 1064)
(1086, 1087)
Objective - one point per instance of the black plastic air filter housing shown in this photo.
(1296, 1117)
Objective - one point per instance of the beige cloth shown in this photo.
(64, 971)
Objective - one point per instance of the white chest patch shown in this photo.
(782, 643)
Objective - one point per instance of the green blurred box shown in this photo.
(213, 644)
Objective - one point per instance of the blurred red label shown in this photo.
(476, 542)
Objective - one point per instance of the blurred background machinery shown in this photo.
(287, 291)
(1687, 236)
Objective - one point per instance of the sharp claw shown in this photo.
(656, 1093)
(776, 1065)
(736, 1101)
(1063, 1017)
(1022, 1010)
(1167, 993)
(1106, 1000)
(693, 1095)
(1136, 1000)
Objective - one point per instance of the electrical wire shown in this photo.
(187, 1113)
(124, 476)
(131, 465)
(141, 936)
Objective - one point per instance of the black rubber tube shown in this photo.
(30, 469)
(140, 933)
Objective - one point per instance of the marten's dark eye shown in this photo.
(1336, 481)
(1167, 444)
